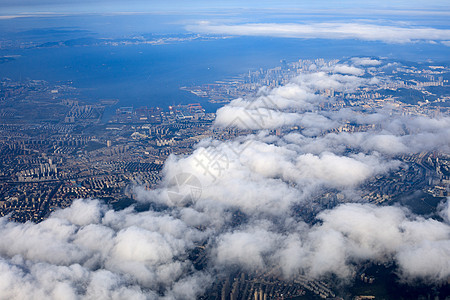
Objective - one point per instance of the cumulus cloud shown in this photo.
(140, 262)
(350, 70)
(92, 251)
(347, 235)
(265, 176)
(363, 31)
(243, 208)
(365, 61)
(273, 109)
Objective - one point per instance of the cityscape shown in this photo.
(244, 165)
(65, 151)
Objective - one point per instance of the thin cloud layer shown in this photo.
(362, 31)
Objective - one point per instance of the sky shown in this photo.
(103, 6)
(386, 21)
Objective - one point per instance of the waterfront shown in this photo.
(151, 75)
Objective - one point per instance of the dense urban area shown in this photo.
(56, 147)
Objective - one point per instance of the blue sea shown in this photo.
(151, 75)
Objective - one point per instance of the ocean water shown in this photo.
(151, 75)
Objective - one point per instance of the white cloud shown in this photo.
(350, 70)
(90, 251)
(365, 61)
(102, 258)
(363, 31)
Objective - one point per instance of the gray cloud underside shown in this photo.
(363, 31)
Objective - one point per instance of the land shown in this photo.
(55, 147)
(44, 38)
